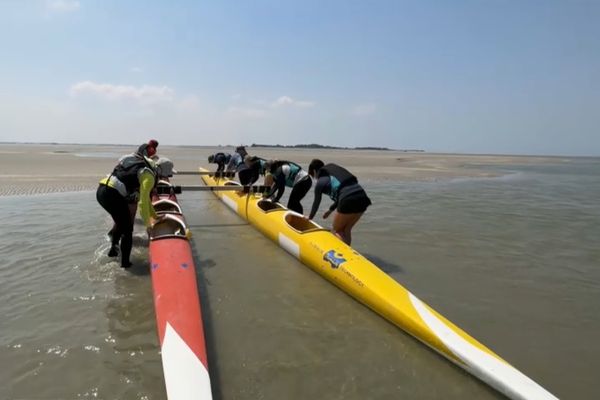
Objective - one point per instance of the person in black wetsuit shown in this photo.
(350, 200)
(144, 150)
(131, 180)
(290, 174)
(221, 159)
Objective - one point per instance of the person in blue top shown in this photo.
(350, 200)
(290, 174)
(221, 159)
(237, 159)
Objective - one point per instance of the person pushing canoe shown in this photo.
(290, 174)
(132, 179)
(221, 159)
(350, 200)
(255, 167)
(143, 150)
(237, 160)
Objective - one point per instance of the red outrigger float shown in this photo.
(176, 303)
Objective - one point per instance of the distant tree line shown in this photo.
(317, 146)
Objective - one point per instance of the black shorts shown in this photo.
(247, 175)
(354, 203)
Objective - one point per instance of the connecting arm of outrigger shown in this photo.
(195, 188)
(220, 174)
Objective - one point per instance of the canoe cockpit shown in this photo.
(301, 224)
(166, 206)
(269, 206)
(170, 226)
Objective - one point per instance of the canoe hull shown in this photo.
(177, 305)
(327, 255)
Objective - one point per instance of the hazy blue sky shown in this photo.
(454, 76)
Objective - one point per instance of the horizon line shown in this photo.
(323, 148)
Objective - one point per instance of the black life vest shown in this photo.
(343, 176)
(257, 164)
(338, 176)
(222, 158)
(294, 170)
(128, 169)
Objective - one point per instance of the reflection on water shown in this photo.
(512, 260)
(131, 326)
(68, 309)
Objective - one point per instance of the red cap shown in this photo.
(153, 143)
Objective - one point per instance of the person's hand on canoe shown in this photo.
(154, 221)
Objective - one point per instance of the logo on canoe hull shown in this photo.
(333, 258)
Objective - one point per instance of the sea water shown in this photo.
(513, 260)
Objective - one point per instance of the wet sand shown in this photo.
(33, 168)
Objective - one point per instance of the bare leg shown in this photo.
(343, 224)
(351, 223)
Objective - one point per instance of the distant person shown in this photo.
(349, 198)
(255, 168)
(131, 180)
(290, 174)
(237, 160)
(221, 159)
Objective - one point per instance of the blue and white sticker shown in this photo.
(333, 258)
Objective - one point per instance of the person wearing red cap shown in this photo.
(148, 149)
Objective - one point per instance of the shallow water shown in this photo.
(512, 260)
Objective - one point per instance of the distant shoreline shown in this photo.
(282, 146)
(316, 147)
(321, 146)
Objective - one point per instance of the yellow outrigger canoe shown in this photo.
(326, 254)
